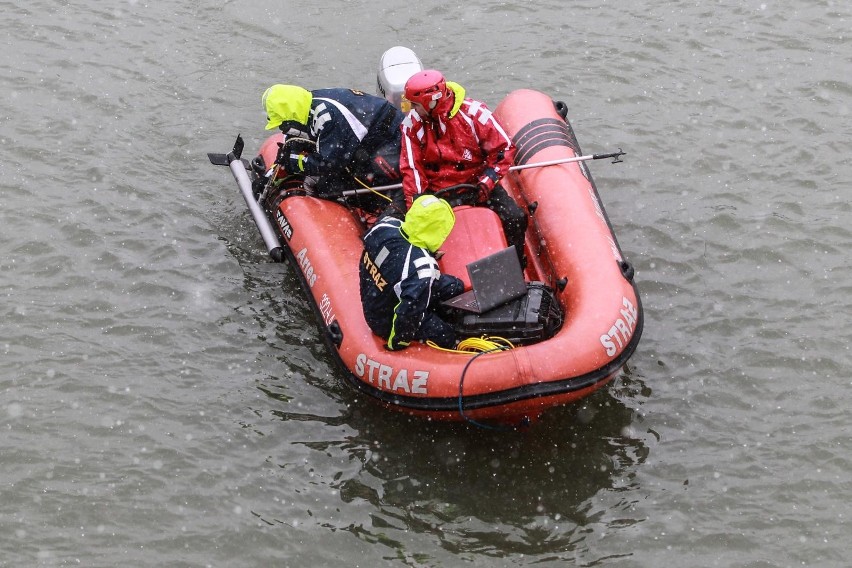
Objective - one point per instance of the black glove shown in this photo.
(291, 163)
(295, 164)
(486, 184)
(293, 153)
(296, 145)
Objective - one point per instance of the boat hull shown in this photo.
(571, 247)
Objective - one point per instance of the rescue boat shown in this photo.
(569, 336)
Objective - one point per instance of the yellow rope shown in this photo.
(476, 345)
(365, 186)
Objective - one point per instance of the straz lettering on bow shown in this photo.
(388, 378)
(619, 334)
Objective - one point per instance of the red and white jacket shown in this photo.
(464, 144)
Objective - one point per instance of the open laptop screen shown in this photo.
(496, 279)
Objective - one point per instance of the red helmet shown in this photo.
(425, 88)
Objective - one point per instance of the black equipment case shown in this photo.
(533, 317)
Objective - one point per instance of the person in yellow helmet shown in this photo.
(401, 285)
(357, 136)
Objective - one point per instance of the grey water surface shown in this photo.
(165, 399)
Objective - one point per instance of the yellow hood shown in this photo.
(458, 96)
(286, 103)
(428, 223)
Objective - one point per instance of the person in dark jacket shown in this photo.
(401, 286)
(357, 137)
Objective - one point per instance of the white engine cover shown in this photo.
(396, 66)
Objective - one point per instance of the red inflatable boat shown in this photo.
(578, 324)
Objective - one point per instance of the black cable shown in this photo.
(495, 427)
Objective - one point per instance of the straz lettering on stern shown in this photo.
(373, 271)
(306, 266)
(284, 225)
(622, 330)
(390, 379)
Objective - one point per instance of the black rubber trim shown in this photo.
(540, 134)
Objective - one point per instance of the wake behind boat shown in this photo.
(569, 330)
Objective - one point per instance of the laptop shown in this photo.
(496, 279)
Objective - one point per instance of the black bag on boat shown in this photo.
(533, 317)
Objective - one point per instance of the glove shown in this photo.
(295, 145)
(484, 192)
(486, 183)
(292, 154)
(292, 163)
(297, 163)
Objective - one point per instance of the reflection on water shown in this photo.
(467, 490)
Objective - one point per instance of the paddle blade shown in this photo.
(218, 159)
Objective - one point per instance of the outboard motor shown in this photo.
(397, 65)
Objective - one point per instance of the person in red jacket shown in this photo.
(448, 139)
